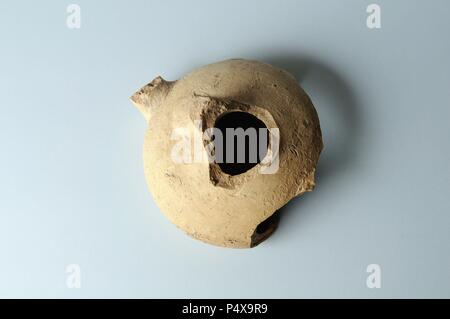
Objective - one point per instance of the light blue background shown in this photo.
(72, 185)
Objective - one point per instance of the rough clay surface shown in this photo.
(206, 203)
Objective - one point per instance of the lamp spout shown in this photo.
(151, 96)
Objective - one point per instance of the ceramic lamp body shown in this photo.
(198, 196)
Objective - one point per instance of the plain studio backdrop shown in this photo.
(73, 198)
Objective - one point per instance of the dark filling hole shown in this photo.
(246, 155)
(268, 224)
(265, 228)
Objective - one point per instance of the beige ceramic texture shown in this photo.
(199, 198)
